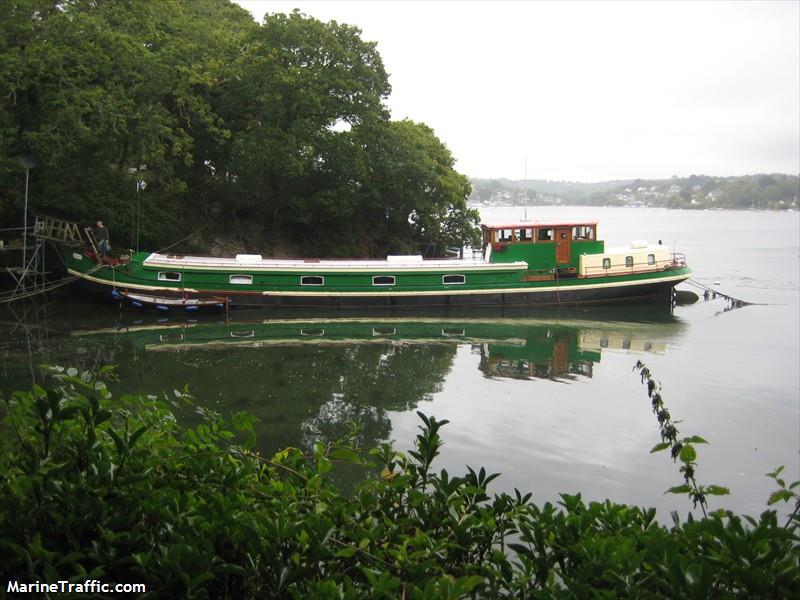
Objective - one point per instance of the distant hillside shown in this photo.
(773, 191)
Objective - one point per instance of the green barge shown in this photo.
(526, 263)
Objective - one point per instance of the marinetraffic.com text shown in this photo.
(90, 586)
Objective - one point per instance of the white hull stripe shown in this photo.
(378, 294)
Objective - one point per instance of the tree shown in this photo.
(412, 194)
(107, 86)
(266, 131)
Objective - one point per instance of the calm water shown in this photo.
(547, 398)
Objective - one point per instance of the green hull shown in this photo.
(188, 281)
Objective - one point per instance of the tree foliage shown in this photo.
(267, 132)
(118, 490)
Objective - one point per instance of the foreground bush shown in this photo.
(119, 491)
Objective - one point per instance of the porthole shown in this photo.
(383, 280)
(168, 276)
(312, 332)
(453, 279)
(245, 333)
(312, 280)
(241, 279)
(379, 331)
(453, 332)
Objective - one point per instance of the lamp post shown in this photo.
(27, 163)
(137, 172)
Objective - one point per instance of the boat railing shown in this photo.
(678, 260)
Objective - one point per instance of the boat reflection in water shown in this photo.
(509, 347)
(307, 377)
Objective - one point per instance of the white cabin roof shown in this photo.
(257, 262)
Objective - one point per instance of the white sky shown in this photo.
(590, 91)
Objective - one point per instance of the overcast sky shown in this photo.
(590, 91)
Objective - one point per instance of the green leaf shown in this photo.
(344, 454)
(67, 413)
(688, 454)
(716, 490)
(679, 489)
(660, 447)
(117, 441)
(136, 435)
(102, 416)
(779, 495)
(695, 439)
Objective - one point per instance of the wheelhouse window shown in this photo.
(505, 235)
(453, 279)
(651, 259)
(241, 279)
(544, 234)
(312, 280)
(606, 263)
(583, 232)
(628, 261)
(524, 235)
(383, 280)
(169, 276)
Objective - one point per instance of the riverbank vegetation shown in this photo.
(117, 489)
(165, 119)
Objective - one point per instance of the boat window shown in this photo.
(312, 280)
(453, 332)
(606, 263)
(383, 280)
(524, 235)
(545, 234)
(168, 276)
(246, 333)
(313, 332)
(377, 331)
(583, 232)
(505, 235)
(241, 279)
(651, 259)
(449, 279)
(628, 261)
(169, 337)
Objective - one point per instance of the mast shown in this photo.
(525, 214)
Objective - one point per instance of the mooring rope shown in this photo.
(736, 301)
(187, 237)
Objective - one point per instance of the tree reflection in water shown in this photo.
(307, 380)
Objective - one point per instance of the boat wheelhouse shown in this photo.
(523, 263)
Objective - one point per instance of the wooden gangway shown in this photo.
(57, 230)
